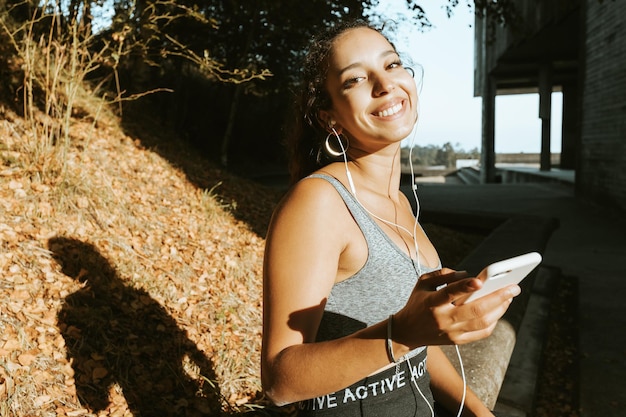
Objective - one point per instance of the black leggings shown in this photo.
(392, 392)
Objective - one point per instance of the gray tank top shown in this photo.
(380, 288)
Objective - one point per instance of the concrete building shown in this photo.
(577, 47)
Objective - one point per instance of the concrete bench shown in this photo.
(485, 362)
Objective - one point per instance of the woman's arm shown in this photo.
(305, 242)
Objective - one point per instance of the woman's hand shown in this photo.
(430, 316)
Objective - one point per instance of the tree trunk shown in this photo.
(226, 139)
(231, 123)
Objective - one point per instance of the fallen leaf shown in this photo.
(26, 359)
(41, 400)
(11, 345)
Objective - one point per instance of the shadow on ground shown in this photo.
(119, 338)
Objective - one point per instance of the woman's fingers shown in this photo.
(478, 318)
(456, 290)
(435, 280)
(474, 320)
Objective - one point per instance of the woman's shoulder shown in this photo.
(312, 196)
(314, 191)
(311, 211)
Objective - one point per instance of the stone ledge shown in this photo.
(485, 362)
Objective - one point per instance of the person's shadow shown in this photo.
(116, 334)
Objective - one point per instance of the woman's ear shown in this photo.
(326, 120)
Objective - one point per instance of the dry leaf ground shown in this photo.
(126, 289)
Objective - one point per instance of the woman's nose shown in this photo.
(383, 84)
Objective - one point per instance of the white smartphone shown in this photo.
(503, 273)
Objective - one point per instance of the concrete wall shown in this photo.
(602, 176)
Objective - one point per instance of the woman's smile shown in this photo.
(389, 109)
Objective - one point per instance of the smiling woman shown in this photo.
(351, 318)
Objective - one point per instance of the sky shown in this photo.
(449, 112)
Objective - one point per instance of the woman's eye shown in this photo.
(395, 64)
(352, 81)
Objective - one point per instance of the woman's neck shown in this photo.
(377, 172)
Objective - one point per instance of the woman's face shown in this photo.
(374, 98)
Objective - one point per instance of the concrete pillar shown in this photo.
(488, 93)
(545, 111)
(488, 151)
(570, 136)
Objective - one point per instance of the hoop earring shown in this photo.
(329, 148)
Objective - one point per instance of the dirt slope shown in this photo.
(127, 288)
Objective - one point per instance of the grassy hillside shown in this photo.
(131, 275)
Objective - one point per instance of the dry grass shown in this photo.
(126, 289)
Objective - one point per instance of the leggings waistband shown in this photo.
(393, 387)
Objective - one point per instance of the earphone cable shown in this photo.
(417, 255)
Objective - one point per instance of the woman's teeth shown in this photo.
(390, 111)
